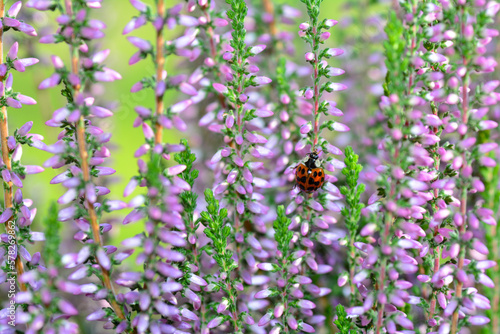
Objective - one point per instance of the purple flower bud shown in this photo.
(25, 99)
(19, 66)
(257, 49)
(13, 103)
(334, 52)
(306, 304)
(275, 330)
(265, 319)
(292, 322)
(248, 319)
(176, 170)
(97, 315)
(180, 106)
(188, 89)
(368, 229)
(309, 56)
(197, 280)
(10, 22)
(13, 51)
(223, 305)
(262, 80)
(478, 320)
(309, 94)
(3, 71)
(189, 315)
(306, 128)
(487, 125)
(67, 308)
(263, 294)
(264, 113)
(307, 328)
(304, 26)
(336, 126)
(103, 259)
(214, 322)
(15, 8)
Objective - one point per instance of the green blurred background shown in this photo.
(117, 96)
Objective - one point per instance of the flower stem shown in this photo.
(381, 283)
(160, 64)
(437, 251)
(463, 200)
(81, 139)
(213, 51)
(8, 186)
(316, 93)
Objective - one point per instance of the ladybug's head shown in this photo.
(312, 161)
(313, 155)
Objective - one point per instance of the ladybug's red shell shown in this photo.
(309, 179)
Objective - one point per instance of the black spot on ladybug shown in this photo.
(311, 181)
(310, 189)
(303, 179)
(315, 174)
(301, 186)
(320, 173)
(317, 183)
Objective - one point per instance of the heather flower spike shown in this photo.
(17, 212)
(82, 140)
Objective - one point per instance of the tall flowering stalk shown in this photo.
(281, 95)
(491, 195)
(219, 232)
(243, 141)
(352, 213)
(192, 266)
(471, 26)
(396, 257)
(288, 277)
(307, 260)
(236, 176)
(16, 215)
(171, 265)
(81, 150)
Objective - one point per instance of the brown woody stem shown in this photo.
(8, 186)
(160, 65)
(84, 156)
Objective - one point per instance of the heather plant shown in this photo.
(80, 150)
(230, 240)
(352, 213)
(19, 262)
(16, 214)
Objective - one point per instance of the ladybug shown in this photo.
(309, 174)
